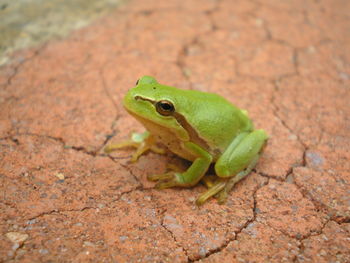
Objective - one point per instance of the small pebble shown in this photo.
(89, 244)
(17, 237)
(43, 251)
(123, 238)
(60, 176)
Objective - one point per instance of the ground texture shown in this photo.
(286, 62)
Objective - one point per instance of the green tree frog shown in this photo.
(201, 127)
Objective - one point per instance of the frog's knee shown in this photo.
(261, 134)
(237, 159)
(222, 170)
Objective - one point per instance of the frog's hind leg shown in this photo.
(221, 187)
(222, 196)
(237, 162)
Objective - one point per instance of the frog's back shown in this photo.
(215, 119)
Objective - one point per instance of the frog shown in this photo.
(201, 127)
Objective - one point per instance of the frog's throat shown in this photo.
(181, 120)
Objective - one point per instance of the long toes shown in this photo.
(222, 197)
(115, 146)
(166, 184)
(160, 177)
(211, 192)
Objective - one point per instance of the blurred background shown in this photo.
(25, 23)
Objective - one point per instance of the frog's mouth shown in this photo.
(135, 101)
(148, 114)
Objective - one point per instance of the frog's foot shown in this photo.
(223, 194)
(191, 176)
(213, 190)
(160, 177)
(141, 141)
(222, 186)
(167, 180)
(209, 180)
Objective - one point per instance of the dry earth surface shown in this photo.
(286, 62)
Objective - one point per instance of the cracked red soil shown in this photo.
(286, 62)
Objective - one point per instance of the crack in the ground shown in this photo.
(298, 237)
(277, 178)
(132, 174)
(184, 51)
(107, 139)
(301, 246)
(209, 14)
(180, 60)
(11, 138)
(276, 109)
(267, 30)
(57, 139)
(239, 231)
(264, 24)
(320, 207)
(17, 67)
(59, 211)
(163, 225)
(117, 116)
(61, 141)
(295, 59)
(105, 88)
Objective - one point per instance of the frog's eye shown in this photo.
(146, 80)
(165, 107)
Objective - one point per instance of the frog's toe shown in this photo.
(169, 180)
(216, 188)
(166, 184)
(222, 196)
(160, 177)
(115, 146)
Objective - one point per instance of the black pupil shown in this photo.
(166, 106)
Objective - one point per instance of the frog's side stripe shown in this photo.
(145, 99)
(194, 137)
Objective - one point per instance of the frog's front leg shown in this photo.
(191, 176)
(236, 162)
(141, 141)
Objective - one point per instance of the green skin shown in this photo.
(201, 127)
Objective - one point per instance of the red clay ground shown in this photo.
(286, 62)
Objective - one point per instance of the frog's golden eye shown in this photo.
(165, 107)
